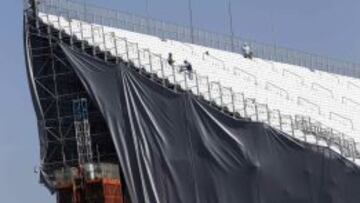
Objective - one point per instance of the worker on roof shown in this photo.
(247, 53)
(188, 68)
(170, 59)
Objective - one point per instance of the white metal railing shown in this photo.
(237, 103)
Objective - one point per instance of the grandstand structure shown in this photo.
(311, 98)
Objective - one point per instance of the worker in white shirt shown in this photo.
(247, 53)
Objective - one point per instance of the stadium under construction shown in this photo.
(119, 121)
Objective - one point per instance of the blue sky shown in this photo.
(326, 27)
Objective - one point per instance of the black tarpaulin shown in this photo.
(174, 148)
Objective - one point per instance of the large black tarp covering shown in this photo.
(174, 148)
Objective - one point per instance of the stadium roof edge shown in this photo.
(166, 30)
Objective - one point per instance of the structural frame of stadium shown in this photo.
(81, 159)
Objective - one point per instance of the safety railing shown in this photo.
(345, 121)
(300, 79)
(214, 60)
(352, 85)
(249, 77)
(279, 90)
(309, 105)
(165, 30)
(321, 88)
(224, 98)
(350, 102)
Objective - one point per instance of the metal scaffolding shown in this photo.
(82, 131)
(55, 89)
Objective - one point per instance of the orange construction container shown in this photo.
(93, 191)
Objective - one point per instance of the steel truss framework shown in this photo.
(55, 86)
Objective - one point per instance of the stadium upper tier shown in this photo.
(332, 100)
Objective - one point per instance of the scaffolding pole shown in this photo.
(147, 15)
(82, 131)
(33, 6)
(191, 21)
(231, 25)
